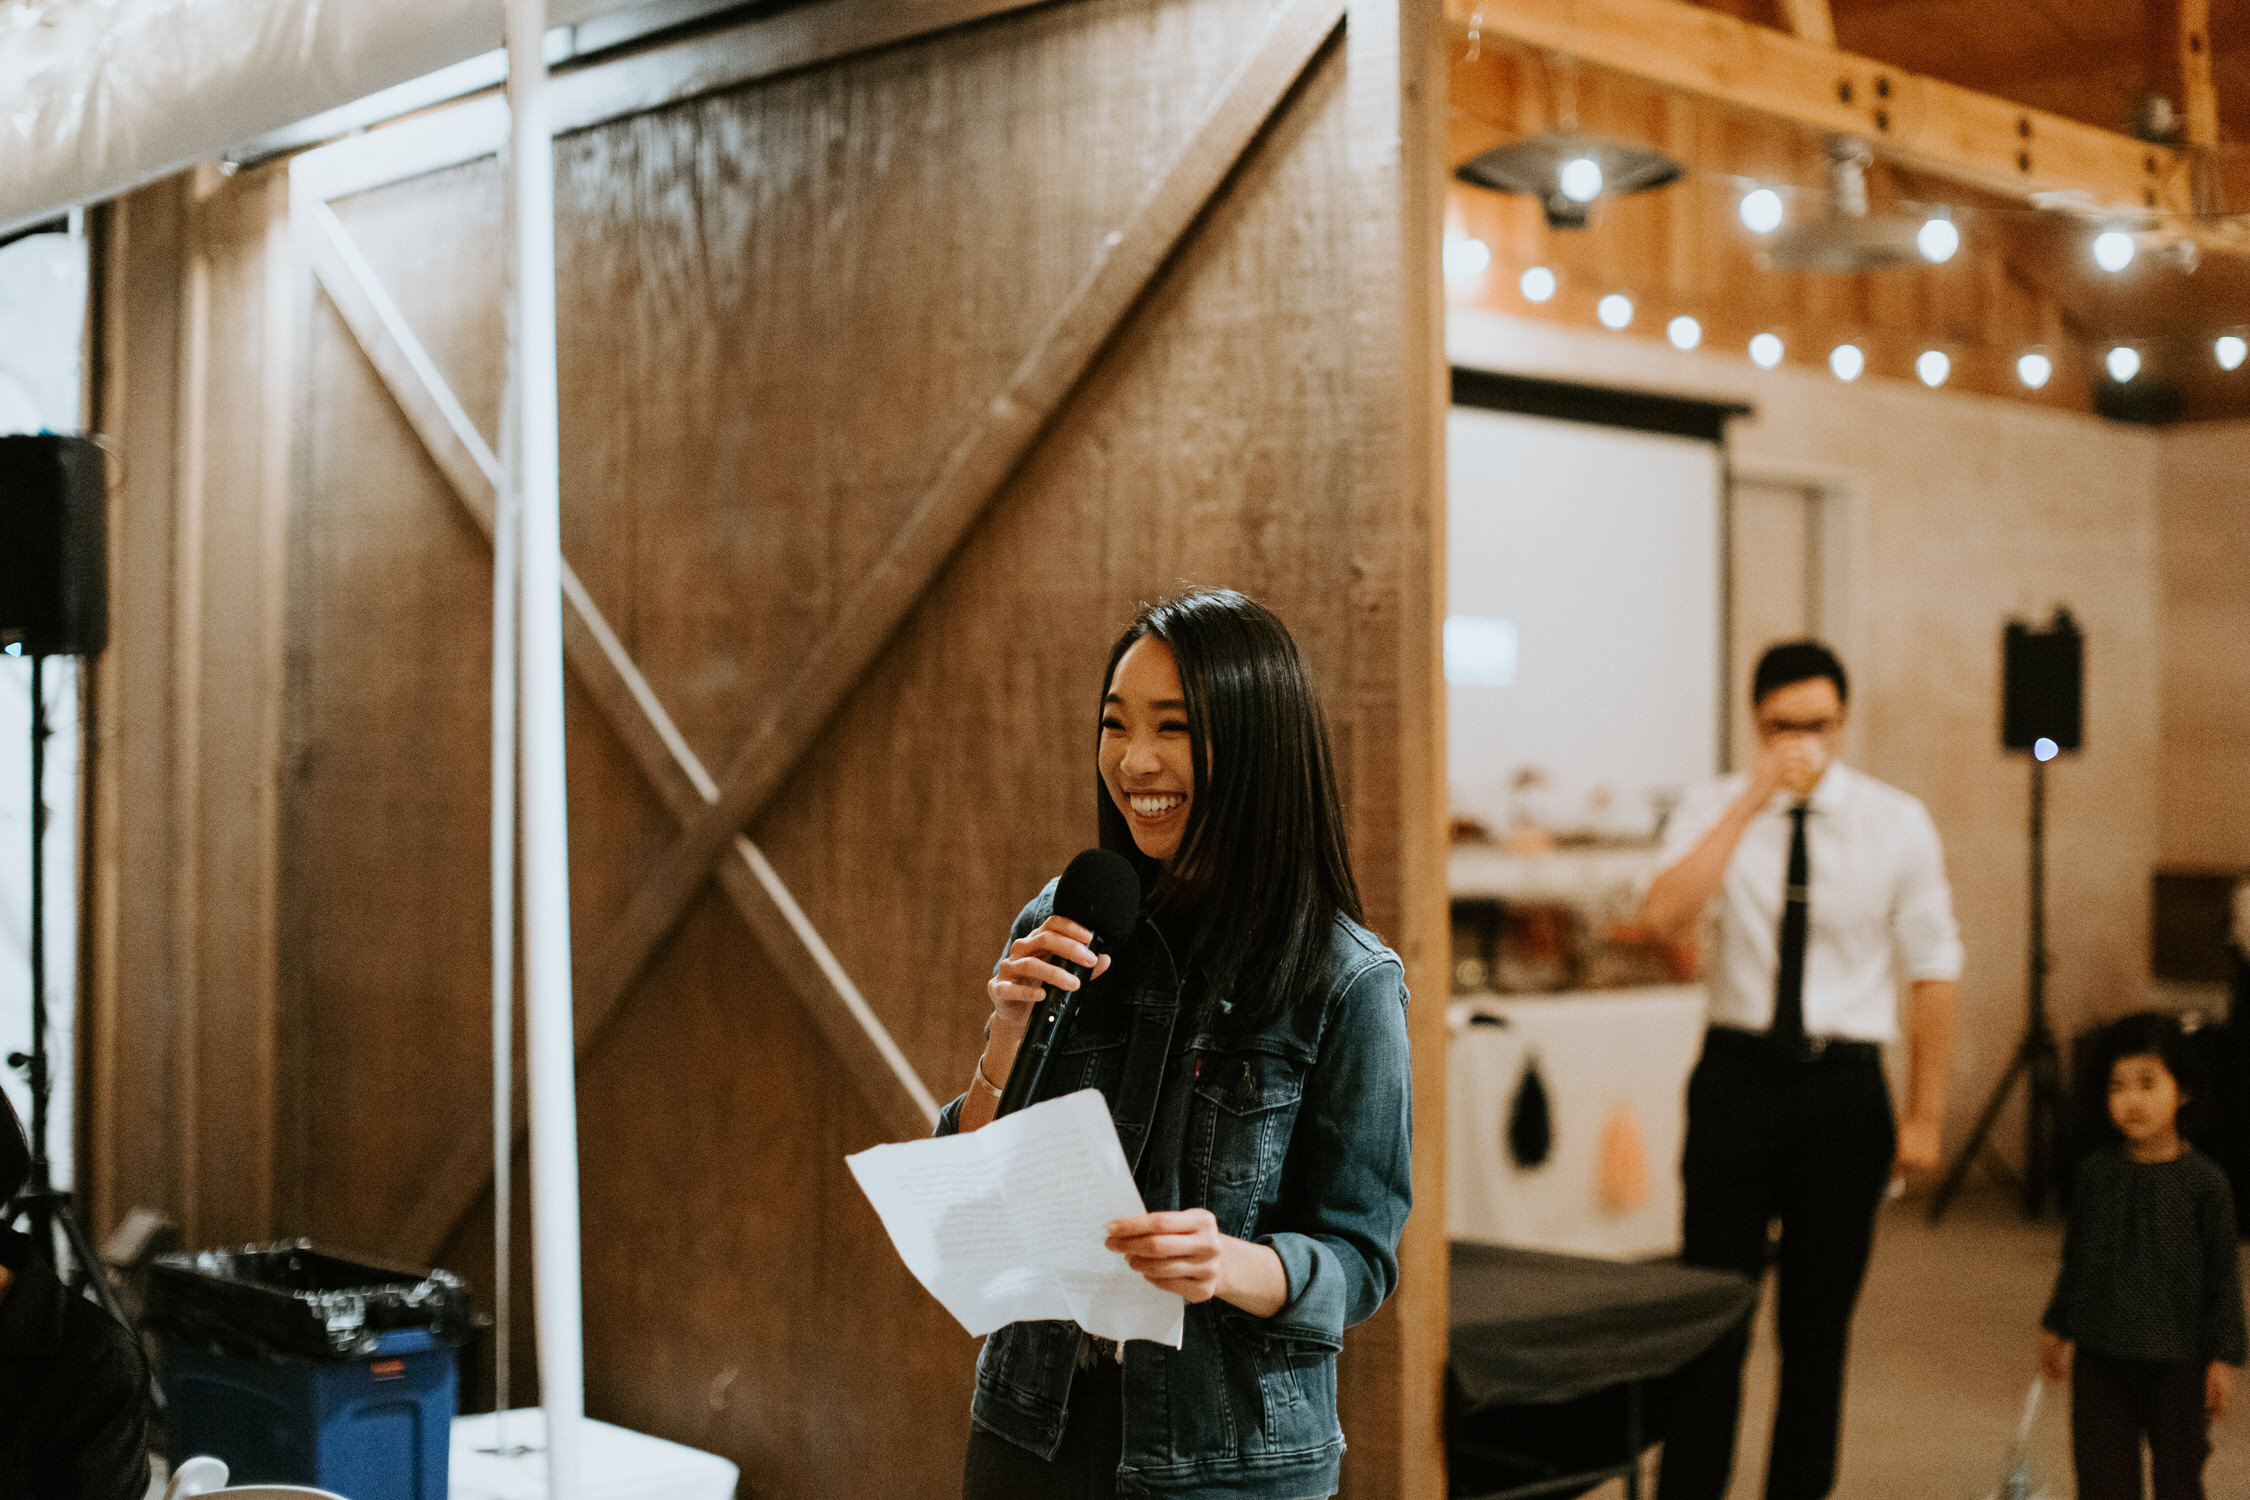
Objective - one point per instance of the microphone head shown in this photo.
(1100, 890)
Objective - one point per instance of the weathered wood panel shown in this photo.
(131, 1018)
(183, 1014)
(783, 305)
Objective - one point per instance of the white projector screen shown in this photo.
(1583, 620)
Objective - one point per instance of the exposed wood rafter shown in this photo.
(1810, 21)
(2179, 66)
(1938, 127)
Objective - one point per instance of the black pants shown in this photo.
(1084, 1468)
(1807, 1140)
(2114, 1403)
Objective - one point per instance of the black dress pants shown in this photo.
(1808, 1139)
(2114, 1403)
(1083, 1468)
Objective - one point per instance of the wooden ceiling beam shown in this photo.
(2179, 66)
(1937, 127)
(1810, 21)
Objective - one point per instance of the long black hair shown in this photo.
(1263, 869)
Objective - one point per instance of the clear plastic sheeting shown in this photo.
(97, 96)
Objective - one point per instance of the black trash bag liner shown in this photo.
(1531, 1128)
(290, 1301)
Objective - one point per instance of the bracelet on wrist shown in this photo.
(989, 1086)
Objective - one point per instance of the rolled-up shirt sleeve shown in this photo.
(1349, 1183)
(1922, 925)
(1699, 809)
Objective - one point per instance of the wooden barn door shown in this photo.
(904, 349)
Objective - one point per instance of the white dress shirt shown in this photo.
(1881, 911)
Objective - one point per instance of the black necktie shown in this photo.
(1789, 976)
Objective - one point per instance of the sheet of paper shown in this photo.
(1005, 1225)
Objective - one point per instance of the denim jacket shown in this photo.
(1297, 1136)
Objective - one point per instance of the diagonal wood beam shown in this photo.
(971, 478)
(609, 675)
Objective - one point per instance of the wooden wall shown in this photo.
(1140, 292)
(2203, 554)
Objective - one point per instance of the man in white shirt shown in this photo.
(1820, 890)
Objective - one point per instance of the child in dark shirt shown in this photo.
(2147, 1313)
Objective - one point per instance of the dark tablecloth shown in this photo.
(1529, 1328)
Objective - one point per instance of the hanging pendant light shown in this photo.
(1848, 238)
(1569, 171)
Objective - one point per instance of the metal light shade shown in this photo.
(1533, 167)
(1847, 238)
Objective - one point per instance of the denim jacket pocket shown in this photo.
(1245, 1107)
(1290, 1385)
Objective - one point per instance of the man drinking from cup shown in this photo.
(1820, 891)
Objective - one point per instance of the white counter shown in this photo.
(614, 1464)
(1615, 1063)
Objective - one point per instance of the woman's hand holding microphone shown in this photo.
(1019, 985)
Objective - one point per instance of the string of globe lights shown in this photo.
(1569, 170)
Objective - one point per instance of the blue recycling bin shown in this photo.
(378, 1427)
(300, 1368)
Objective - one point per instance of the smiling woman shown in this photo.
(1253, 867)
(1147, 759)
(1249, 1039)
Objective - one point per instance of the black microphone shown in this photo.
(1101, 892)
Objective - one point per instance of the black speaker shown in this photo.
(54, 561)
(2043, 691)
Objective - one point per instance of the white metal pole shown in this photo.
(506, 539)
(551, 1061)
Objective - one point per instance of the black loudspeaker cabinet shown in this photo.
(2043, 676)
(54, 565)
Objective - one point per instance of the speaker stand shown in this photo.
(48, 1207)
(2037, 1060)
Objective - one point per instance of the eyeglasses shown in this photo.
(1826, 724)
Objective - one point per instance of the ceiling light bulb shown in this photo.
(2034, 370)
(1765, 351)
(1846, 361)
(1538, 284)
(2230, 350)
(2113, 249)
(1933, 367)
(1580, 179)
(2044, 748)
(1938, 239)
(1686, 333)
(1761, 211)
(1615, 310)
(1466, 257)
(2124, 363)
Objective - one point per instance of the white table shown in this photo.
(1600, 1052)
(614, 1464)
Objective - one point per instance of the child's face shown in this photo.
(2144, 1098)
